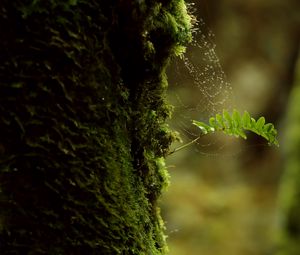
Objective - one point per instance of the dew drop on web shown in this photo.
(198, 88)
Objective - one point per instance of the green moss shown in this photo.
(82, 120)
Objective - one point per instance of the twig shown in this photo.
(184, 146)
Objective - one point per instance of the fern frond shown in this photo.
(236, 124)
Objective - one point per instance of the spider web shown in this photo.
(198, 90)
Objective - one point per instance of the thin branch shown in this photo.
(185, 145)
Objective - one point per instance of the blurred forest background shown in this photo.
(229, 196)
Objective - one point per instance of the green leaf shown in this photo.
(220, 122)
(236, 125)
(203, 127)
(228, 119)
(268, 127)
(236, 117)
(212, 122)
(253, 123)
(241, 133)
(260, 123)
(246, 119)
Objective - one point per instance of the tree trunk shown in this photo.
(82, 123)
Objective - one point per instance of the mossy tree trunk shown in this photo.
(82, 123)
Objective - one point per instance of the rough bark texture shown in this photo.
(82, 112)
(289, 243)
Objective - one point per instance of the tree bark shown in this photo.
(82, 123)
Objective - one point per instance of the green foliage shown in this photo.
(236, 124)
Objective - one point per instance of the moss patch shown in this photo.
(82, 120)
